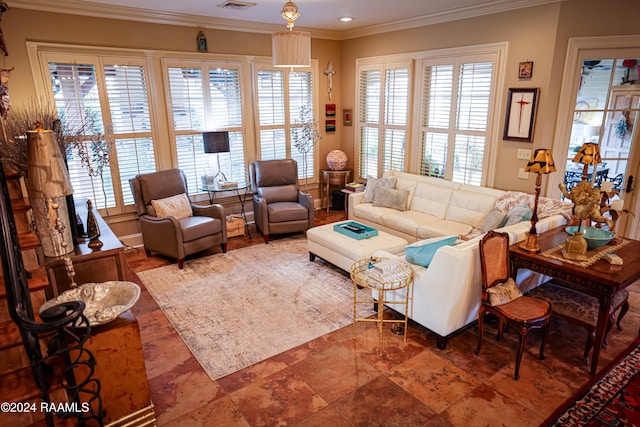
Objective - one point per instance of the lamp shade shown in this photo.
(541, 162)
(48, 177)
(589, 154)
(291, 49)
(216, 142)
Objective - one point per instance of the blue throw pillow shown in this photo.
(422, 252)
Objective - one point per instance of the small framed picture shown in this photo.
(521, 113)
(346, 116)
(525, 70)
(330, 125)
(330, 110)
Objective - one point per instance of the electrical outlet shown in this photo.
(524, 154)
(522, 174)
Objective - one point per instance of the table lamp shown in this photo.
(48, 180)
(216, 142)
(541, 162)
(589, 154)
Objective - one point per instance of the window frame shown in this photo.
(413, 146)
(289, 122)
(41, 54)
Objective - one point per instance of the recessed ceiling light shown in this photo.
(346, 19)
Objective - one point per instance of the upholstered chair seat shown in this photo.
(278, 204)
(582, 309)
(180, 227)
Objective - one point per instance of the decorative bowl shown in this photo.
(104, 301)
(595, 237)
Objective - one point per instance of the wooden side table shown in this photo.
(361, 275)
(329, 178)
(106, 263)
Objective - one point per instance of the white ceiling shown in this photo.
(321, 17)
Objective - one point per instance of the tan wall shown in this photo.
(538, 34)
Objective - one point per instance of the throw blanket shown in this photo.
(546, 206)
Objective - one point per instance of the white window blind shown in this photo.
(382, 117)
(80, 90)
(455, 119)
(281, 96)
(207, 97)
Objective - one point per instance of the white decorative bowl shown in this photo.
(337, 160)
(104, 301)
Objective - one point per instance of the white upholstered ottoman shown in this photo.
(342, 251)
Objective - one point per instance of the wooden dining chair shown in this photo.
(501, 297)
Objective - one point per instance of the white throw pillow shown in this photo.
(391, 198)
(373, 183)
(504, 293)
(177, 206)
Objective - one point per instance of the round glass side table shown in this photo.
(393, 275)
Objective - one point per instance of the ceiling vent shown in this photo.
(236, 5)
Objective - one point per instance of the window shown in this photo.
(282, 95)
(79, 87)
(455, 119)
(207, 97)
(383, 116)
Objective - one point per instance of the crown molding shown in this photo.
(77, 7)
(442, 17)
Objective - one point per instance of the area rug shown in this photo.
(611, 399)
(236, 309)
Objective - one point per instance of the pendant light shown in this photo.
(291, 48)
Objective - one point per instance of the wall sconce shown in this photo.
(291, 48)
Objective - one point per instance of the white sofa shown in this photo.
(445, 297)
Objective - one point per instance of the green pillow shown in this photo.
(422, 252)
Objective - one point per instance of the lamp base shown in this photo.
(530, 244)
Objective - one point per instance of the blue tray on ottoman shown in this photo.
(355, 230)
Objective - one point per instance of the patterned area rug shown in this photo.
(611, 399)
(236, 309)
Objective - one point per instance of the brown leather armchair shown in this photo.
(169, 235)
(278, 204)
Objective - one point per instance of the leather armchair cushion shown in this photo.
(161, 184)
(280, 193)
(195, 227)
(286, 211)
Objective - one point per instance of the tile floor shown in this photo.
(337, 381)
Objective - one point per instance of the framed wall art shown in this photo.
(521, 113)
(330, 110)
(330, 125)
(525, 70)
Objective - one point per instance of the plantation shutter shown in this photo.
(382, 117)
(77, 89)
(207, 98)
(395, 112)
(300, 96)
(455, 119)
(131, 121)
(281, 97)
(77, 100)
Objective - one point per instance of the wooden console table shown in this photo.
(601, 279)
(106, 263)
